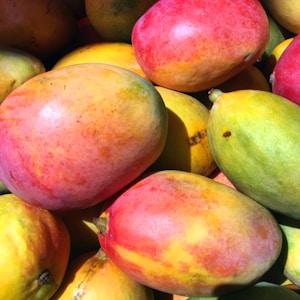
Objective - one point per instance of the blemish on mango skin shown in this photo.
(197, 138)
(227, 134)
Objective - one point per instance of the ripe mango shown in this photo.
(93, 276)
(254, 139)
(73, 136)
(186, 147)
(186, 234)
(198, 44)
(34, 252)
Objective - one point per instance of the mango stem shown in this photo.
(214, 94)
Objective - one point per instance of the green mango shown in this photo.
(260, 291)
(254, 139)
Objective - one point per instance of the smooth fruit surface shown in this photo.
(186, 147)
(114, 19)
(285, 12)
(290, 261)
(286, 73)
(34, 252)
(202, 43)
(117, 54)
(16, 67)
(254, 139)
(93, 276)
(72, 137)
(40, 27)
(185, 234)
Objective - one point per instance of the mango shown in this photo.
(285, 12)
(197, 45)
(254, 139)
(114, 19)
(186, 147)
(72, 137)
(183, 233)
(93, 276)
(34, 252)
(286, 72)
(289, 259)
(16, 66)
(40, 27)
(114, 53)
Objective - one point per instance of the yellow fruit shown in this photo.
(93, 276)
(274, 56)
(16, 67)
(117, 54)
(186, 148)
(285, 12)
(34, 252)
(114, 19)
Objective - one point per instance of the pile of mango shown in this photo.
(149, 150)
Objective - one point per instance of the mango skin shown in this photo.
(203, 43)
(289, 260)
(186, 234)
(93, 276)
(254, 139)
(286, 74)
(33, 242)
(262, 291)
(186, 147)
(16, 67)
(72, 137)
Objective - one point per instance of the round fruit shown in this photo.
(117, 54)
(16, 66)
(40, 27)
(285, 12)
(93, 276)
(244, 129)
(189, 46)
(183, 233)
(186, 147)
(34, 252)
(72, 137)
(114, 19)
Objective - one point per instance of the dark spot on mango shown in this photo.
(197, 138)
(227, 134)
(44, 278)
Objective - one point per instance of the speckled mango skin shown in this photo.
(72, 137)
(186, 234)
